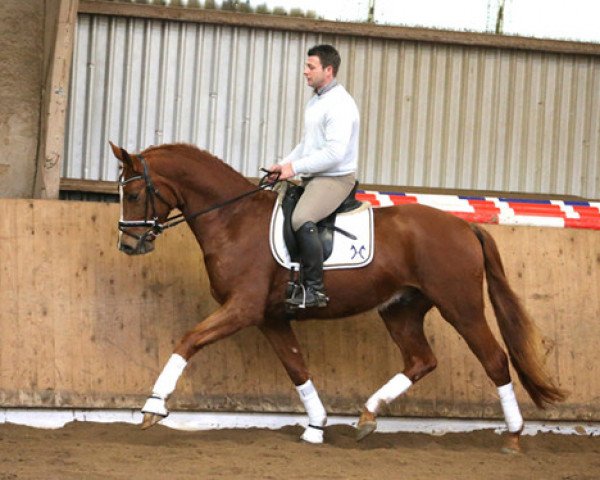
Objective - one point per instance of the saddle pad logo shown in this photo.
(347, 253)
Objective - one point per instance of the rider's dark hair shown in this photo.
(328, 55)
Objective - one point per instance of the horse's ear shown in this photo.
(121, 154)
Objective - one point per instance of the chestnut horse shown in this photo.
(423, 258)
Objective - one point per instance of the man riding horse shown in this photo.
(425, 258)
(326, 160)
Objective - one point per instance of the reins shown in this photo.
(179, 218)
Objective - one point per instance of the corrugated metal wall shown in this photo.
(433, 115)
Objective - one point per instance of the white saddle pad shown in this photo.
(346, 253)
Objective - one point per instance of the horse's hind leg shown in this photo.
(404, 320)
(467, 317)
(286, 346)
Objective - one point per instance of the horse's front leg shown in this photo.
(286, 346)
(230, 318)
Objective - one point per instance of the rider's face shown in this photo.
(316, 75)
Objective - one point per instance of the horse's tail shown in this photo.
(518, 330)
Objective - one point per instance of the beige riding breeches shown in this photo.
(322, 195)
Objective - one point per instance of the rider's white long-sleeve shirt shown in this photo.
(329, 145)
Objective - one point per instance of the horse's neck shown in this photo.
(209, 197)
(201, 182)
(202, 194)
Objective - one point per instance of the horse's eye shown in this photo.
(132, 197)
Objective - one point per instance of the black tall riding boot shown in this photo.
(311, 251)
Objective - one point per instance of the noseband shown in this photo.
(151, 220)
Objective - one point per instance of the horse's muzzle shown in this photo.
(139, 248)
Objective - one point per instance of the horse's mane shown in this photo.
(193, 153)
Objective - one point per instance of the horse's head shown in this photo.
(144, 207)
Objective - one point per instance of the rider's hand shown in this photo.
(285, 171)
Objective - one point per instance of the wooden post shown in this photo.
(54, 103)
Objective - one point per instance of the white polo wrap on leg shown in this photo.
(510, 407)
(165, 385)
(317, 416)
(398, 384)
(167, 380)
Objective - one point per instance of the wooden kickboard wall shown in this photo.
(83, 325)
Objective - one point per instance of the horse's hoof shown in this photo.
(365, 430)
(512, 444)
(150, 419)
(366, 425)
(312, 435)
